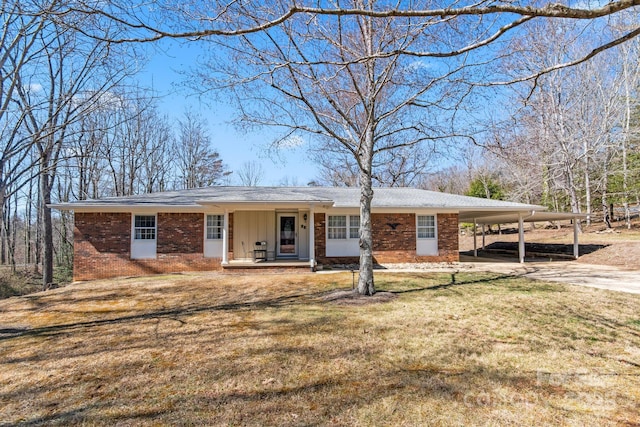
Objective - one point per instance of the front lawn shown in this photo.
(275, 349)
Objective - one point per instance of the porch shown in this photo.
(268, 239)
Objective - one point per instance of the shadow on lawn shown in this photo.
(452, 283)
(84, 414)
(284, 301)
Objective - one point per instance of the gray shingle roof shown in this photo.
(336, 197)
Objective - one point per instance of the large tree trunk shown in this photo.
(365, 279)
(47, 229)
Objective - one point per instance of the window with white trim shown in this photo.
(354, 226)
(144, 227)
(215, 225)
(343, 227)
(337, 227)
(426, 227)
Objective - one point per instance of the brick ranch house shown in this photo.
(219, 228)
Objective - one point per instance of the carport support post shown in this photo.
(475, 238)
(483, 237)
(521, 238)
(576, 231)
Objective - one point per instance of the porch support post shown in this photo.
(475, 238)
(521, 238)
(312, 239)
(576, 231)
(225, 239)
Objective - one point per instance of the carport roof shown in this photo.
(323, 196)
(485, 217)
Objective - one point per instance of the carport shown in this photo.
(484, 218)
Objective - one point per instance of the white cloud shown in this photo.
(292, 141)
(34, 87)
(420, 64)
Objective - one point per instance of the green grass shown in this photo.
(468, 349)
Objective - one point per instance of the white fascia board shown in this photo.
(262, 206)
(110, 208)
(529, 216)
(388, 210)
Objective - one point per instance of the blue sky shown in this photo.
(235, 147)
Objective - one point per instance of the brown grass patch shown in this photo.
(349, 297)
(276, 350)
(22, 282)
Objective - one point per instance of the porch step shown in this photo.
(266, 265)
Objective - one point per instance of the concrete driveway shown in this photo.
(592, 275)
(595, 276)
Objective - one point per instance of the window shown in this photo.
(215, 225)
(337, 228)
(354, 227)
(426, 226)
(144, 227)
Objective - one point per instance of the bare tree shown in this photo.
(289, 181)
(336, 169)
(559, 139)
(198, 164)
(23, 25)
(407, 166)
(73, 73)
(364, 84)
(335, 80)
(630, 81)
(250, 174)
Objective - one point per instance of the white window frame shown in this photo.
(336, 231)
(429, 230)
(144, 229)
(213, 248)
(143, 248)
(354, 229)
(348, 245)
(427, 246)
(350, 229)
(216, 230)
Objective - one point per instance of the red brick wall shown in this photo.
(102, 243)
(448, 234)
(394, 237)
(102, 246)
(180, 233)
(320, 236)
(394, 240)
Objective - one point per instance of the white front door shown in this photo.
(287, 235)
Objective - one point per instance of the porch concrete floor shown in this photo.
(281, 263)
